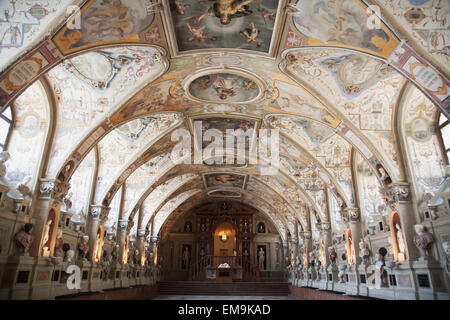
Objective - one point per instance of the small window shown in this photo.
(445, 132)
(6, 121)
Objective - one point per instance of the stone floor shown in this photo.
(192, 297)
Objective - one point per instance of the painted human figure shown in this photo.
(178, 7)
(251, 35)
(261, 257)
(198, 35)
(225, 10)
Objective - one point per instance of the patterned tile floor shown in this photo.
(192, 297)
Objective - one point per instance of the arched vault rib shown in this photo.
(277, 220)
(145, 102)
(334, 185)
(148, 152)
(181, 188)
(298, 214)
(172, 187)
(346, 129)
(171, 171)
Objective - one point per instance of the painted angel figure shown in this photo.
(197, 34)
(251, 35)
(225, 10)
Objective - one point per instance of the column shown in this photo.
(354, 221)
(140, 243)
(121, 236)
(307, 245)
(327, 241)
(398, 198)
(46, 214)
(92, 224)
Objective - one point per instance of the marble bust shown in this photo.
(423, 240)
(24, 238)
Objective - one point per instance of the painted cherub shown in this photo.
(178, 7)
(268, 14)
(251, 35)
(225, 10)
(197, 34)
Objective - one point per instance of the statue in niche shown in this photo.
(423, 240)
(234, 256)
(202, 253)
(83, 247)
(186, 258)
(245, 254)
(332, 255)
(98, 245)
(401, 243)
(261, 257)
(188, 227)
(24, 238)
(59, 242)
(261, 228)
(245, 226)
(47, 226)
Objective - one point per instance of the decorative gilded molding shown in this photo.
(352, 214)
(95, 212)
(123, 224)
(396, 193)
(52, 189)
(141, 233)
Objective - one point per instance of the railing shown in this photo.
(250, 271)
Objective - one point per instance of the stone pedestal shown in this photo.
(18, 277)
(124, 276)
(428, 278)
(85, 271)
(405, 284)
(352, 286)
(95, 283)
(363, 289)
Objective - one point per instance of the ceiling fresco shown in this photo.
(236, 24)
(333, 78)
(106, 22)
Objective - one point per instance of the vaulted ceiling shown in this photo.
(122, 76)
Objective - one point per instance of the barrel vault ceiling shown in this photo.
(122, 76)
